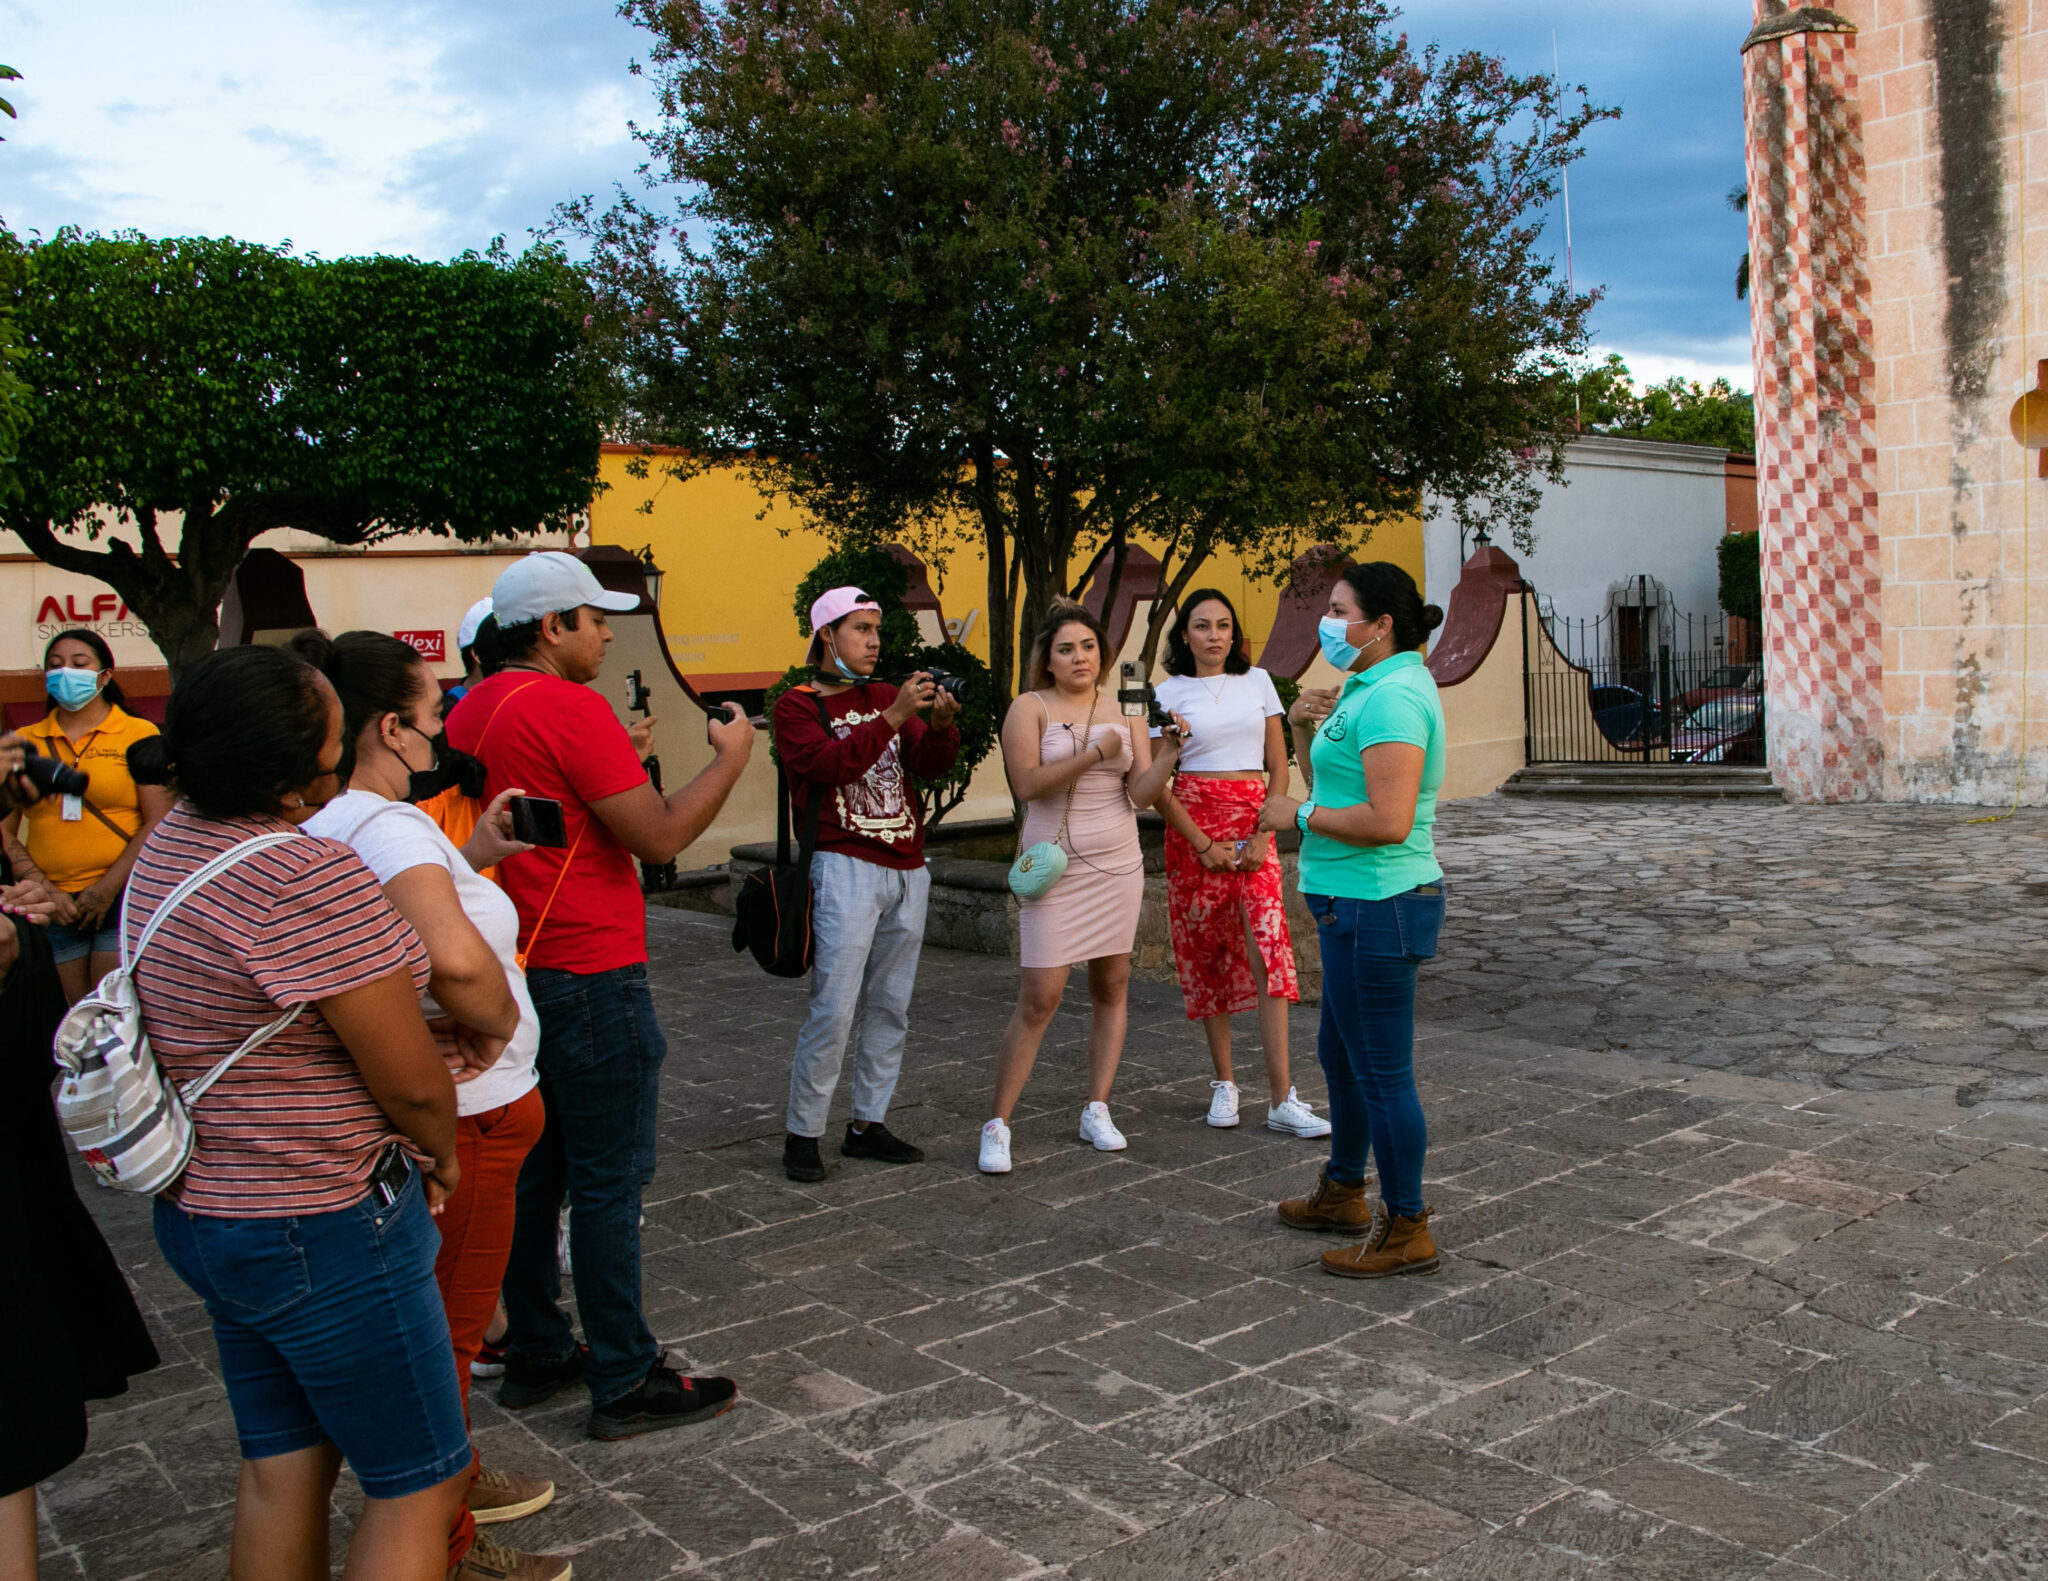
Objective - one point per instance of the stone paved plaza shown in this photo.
(1735, 1285)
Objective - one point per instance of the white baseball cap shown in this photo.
(831, 607)
(547, 581)
(465, 634)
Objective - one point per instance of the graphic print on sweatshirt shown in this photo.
(877, 805)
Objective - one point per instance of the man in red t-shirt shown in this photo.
(539, 729)
(869, 886)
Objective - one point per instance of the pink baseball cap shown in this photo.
(830, 608)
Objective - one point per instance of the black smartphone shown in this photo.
(636, 693)
(538, 821)
(393, 1171)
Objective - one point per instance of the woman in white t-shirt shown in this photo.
(1231, 945)
(476, 999)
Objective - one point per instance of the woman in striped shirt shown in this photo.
(304, 1220)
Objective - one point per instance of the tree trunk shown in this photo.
(1119, 556)
(178, 600)
(1002, 602)
(1170, 590)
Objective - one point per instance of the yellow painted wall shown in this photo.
(732, 570)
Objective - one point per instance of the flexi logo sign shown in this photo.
(431, 645)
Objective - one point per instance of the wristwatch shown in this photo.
(1301, 816)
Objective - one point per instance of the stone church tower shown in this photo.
(1897, 315)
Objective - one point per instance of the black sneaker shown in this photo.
(800, 1160)
(665, 1398)
(878, 1142)
(530, 1382)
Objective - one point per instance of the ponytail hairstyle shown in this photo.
(1383, 588)
(1063, 613)
(243, 726)
(373, 675)
(112, 690)
(1180, 658)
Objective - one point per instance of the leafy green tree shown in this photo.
(1742, 575)
(882, 577)
(1679, 409)
(1046, 275)
(190, 395)
(14, 410)
(1738, 200)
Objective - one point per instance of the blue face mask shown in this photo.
(1331, 632)
(72, 689)
(847, 675)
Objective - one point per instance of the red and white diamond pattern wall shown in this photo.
(1816, 411)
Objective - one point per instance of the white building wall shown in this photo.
(1629, 507)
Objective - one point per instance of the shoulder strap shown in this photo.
(541, 921)
(1087, 730)
(193, 881)
(814, 800)
(195, 1089)
(123, 834)
(492, 717)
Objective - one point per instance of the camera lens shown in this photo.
(51, 777)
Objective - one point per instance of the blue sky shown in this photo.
(352, 126)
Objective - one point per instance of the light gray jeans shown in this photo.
(868, 921)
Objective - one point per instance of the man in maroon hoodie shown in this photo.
(869, 886)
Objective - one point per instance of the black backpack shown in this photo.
(772, 912)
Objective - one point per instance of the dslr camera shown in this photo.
(51, 777)
(954, 686)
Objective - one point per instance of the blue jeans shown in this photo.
(330, 1330)
(868, 921)
(600, 1075)
(70, 944)
(1371, 949)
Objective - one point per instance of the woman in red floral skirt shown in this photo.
(1230, 939)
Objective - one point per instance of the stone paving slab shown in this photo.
(1699, 1317)
(1876, 947)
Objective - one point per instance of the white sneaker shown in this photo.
(1295, 1117)
(1223, 1107)
(995, 1148)
(1098, 1130)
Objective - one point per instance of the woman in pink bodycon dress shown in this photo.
(1062, 736)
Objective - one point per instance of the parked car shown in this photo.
(1729, 729)
(1730, 680)
(1618, 711)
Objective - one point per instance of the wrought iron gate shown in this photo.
(1642, 683)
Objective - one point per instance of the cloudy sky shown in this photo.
(429, 126)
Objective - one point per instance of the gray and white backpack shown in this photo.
(132, 1127)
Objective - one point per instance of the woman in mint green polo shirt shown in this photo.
(1373, 754)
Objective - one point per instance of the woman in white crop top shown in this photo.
(1231, 945)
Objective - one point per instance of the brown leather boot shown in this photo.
(1396, 1246)
(1331, 1206)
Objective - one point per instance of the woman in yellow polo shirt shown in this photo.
(81, 847)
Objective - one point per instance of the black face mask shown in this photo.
(450, 767)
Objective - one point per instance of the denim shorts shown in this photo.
(69, 944)
(331, 1330)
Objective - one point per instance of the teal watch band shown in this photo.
(1301, 816)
